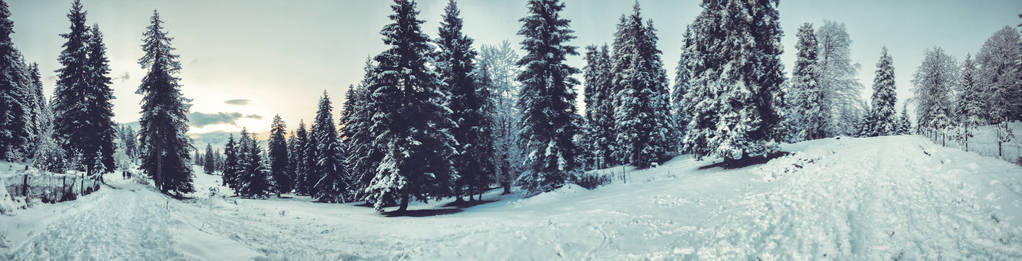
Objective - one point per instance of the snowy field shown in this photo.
(880, 198)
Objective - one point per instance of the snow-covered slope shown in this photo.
(875, 198)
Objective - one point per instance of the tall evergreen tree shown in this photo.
(253, 179)
(969, 102)
(301, 161)
(469, 104)
(642, 117)
(806, 97)
(361, 157)
(934, 81)
(735, 93)
(14, 106)
(310, 158)
(279, 157)
(209, 163)
(599, 111)
(410, 119)
(882, 110)
(681, 86)
(328, 171)
(99, 102)
(163, 139)
(547, 97)
(82, 98)
(231, 166)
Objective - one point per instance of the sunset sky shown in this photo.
(244, 61)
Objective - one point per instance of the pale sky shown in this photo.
(246, 60)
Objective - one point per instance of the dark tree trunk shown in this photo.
(404, 201)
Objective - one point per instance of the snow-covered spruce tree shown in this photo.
(599, 111)
(298, 160)
(47, 154)
(231, 167)
(547, 97)
(969, 107)
(483, 134)
(806, 98)
(904, 125)
(310, 176)
(82, 107)
(253, 181)
(501, 62)
(999, 74)
(130, 140)
(361, 157)
(469, 105)
(682, 76)
(841, 89)
(15, 105)
(736, 78)
(882, 111)
(278, 155)
(411, 116)
(209, 160)
(164, 123)
(328, 172)
(934, 81)
(642, 117)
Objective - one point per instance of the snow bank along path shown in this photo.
(876, 198)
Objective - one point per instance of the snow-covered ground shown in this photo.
(847, 199)
(984, 142)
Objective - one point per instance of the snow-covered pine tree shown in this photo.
(278, 155)
(15, 129)
(469, 104)
(682, 76)
(361, 157)
(292, 159)
(411, 116)
(547, 96)
(298, 160)
(130, 140)
(232, 167)
(806, 98)
(591, 78)
(162, 137)
(904, 124)
(735, 92)
(82, 98)
(934, 81)
(328, 172)
(642, 117)
(841, 90)
(882, 111)
(311, 175)
(501, 62)
(209, 160)
(253, 182)
(484, 137)
(969, 102)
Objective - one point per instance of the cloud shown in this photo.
(124, 77)
(199, 119)
(254, 116)
(238, 101)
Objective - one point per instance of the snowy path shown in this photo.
(878, 198)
